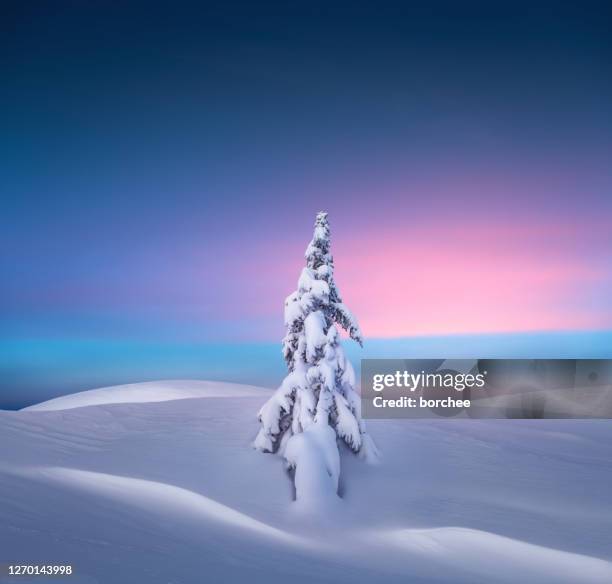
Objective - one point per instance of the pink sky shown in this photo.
(471, 278)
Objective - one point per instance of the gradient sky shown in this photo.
(162, 165)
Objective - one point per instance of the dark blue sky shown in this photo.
(162, 163)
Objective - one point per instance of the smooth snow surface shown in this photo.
(156, 391)
(493, 558)
(152, 495)
(172, 492)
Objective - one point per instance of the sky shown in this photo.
(162, 165)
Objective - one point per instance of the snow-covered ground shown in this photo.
(154, 391)
(157, 483)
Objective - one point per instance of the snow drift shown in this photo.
(170, 491)
(155, 391)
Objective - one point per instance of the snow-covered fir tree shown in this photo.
(316, 402)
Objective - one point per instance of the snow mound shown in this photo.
(167, 500)
(313, 455)
(146, 392)
(494, 558)
(172, 492)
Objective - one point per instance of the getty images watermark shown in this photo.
(486, 388)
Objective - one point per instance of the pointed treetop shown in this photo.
(321, 228)
(317, 252)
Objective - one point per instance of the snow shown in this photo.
(171, 491)
(347, 425)
(314, 332)
(313, 455)
(499, 559)
(156, 391)
(147, 495)
(293, 310)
